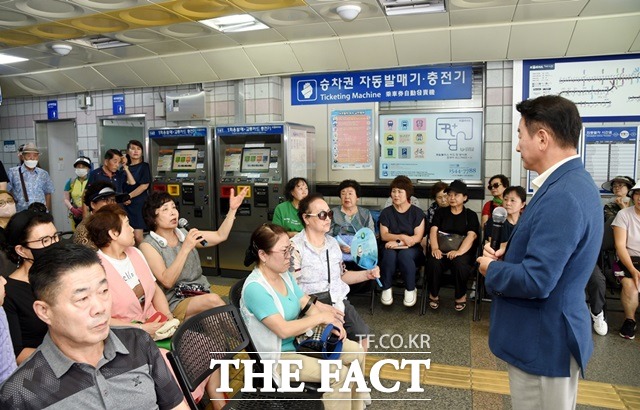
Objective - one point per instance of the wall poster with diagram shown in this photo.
(434, 146)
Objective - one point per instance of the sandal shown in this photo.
(459, 306)
(434, 303)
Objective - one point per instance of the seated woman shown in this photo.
(514, 200)
(136, 296)
(28, 234)
(497, 185)
(440, 200)
(286, 213)
(401, 230)
(348, 218)
(626, 234)
(173, 257)
(454, 220)
(318, 267)
(620, 187)
(270, 305)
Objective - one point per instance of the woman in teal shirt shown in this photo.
(286, 213)
(270, 305)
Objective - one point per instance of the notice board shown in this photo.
(431, 146)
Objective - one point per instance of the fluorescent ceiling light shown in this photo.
(400, 7)
(99, 42)
(7, 59)
(234, 23)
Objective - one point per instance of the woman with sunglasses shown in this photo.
(401, 230)
(286, 213)
(318, 267)
(28, 235)
(497, 185)
(271, 304)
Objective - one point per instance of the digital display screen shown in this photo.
(255, 159)
(185, 160)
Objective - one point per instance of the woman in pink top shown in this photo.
(136, 295)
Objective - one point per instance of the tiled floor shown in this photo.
(464, 374)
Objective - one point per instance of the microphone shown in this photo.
(498, 217)
(184, 224)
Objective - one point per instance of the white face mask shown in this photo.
(32, 163)
(8, 210)
(82, 172)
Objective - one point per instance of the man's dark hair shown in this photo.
(554, 113)
(151, 206)
(46, 272)
(112, 153)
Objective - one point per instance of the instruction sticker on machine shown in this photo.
(431, 146)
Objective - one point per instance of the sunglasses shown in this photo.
(322, 215)
(494, 186)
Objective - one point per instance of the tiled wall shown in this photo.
(263, 102)
(263, 99)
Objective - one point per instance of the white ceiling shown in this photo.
(170, 47)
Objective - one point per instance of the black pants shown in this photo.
(596, 288)
(461, 268)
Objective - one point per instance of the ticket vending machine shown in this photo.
(181, 164)
(263, 157)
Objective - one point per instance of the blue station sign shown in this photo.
(178, 132)
(406, 84)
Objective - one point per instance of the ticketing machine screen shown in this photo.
(185, 160)
(255, 159)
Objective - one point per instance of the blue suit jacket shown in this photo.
(539, 316)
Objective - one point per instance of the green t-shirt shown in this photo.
(286, 215)
(261, 304)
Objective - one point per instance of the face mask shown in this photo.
(82, 172)
(37, 253)
(8, 210)
(32, 163)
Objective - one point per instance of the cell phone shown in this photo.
(155, 317)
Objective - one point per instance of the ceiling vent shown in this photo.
(99, 42)
(400, 7)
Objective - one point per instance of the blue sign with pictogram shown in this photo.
(118, 104)
(52, 110)
(405, 84)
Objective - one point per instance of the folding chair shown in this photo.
(221, 332)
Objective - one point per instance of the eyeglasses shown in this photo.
(47, 240)
(109, 200)
(8, 201)
(286, 253)
(322, 215)
(494, 186)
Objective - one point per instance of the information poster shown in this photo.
(352, 139)
(610, 151)
(600, 87)
(297, 162)
(440, 146)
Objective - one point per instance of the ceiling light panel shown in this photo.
(401, 7)
(235, 23)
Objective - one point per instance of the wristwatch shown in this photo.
(398, 242)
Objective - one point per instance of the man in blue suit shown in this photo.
(540, 323)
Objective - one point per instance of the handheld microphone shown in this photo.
(184, 224)
(498, 217)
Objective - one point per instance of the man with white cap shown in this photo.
(28, 183)
(96, 196)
